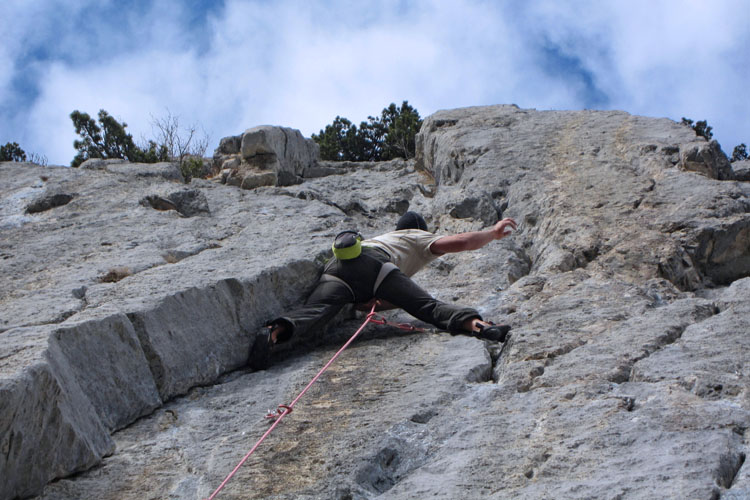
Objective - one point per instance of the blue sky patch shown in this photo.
(234, 64)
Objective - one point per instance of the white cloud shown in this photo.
(7, 70)
(300, 64)
(661, 58)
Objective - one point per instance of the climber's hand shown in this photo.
(503, 227)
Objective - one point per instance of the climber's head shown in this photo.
(411, 220)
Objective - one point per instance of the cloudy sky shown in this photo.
(228, 65)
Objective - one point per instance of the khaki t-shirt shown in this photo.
(409, 248)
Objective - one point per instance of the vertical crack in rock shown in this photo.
(106, 360)
(740, 464)
(154, 360)
(482, 372)
(496, 351)
(286, 141)
(729, 468)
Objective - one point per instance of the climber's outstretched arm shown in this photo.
(472, 240)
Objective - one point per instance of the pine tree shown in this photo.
(390, 135)
(108, 139)
(12, 152)
(701, 128)
(739, 153)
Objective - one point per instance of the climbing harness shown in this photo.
(284, 410)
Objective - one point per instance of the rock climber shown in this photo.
(380, 269)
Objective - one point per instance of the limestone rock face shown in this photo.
(129, 303)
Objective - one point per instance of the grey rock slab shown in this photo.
(58, 251)
(706, 358)
(48, 426)
(189, 446)
(588, 445)
(617, 345)
(108, 363)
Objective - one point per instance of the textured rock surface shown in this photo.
(265, 156)
(741, 170)
(627, 286)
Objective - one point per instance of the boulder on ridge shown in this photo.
(265, 156)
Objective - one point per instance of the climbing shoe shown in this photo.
(260, 352)
(496, 333)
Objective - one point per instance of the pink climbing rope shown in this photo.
(404, 326)
(284, 410)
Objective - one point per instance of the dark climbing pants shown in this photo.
(362, 279)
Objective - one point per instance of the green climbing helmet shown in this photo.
(347, 245)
